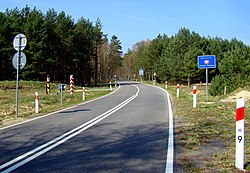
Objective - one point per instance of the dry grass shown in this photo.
(205, 136)
(47, 102)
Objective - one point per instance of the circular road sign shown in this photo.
(22, 60)
(20, 40)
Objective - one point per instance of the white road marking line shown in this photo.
(170, 152)
(170, 155)
(61, 139)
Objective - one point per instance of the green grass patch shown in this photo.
(47, 102)
(205, 135)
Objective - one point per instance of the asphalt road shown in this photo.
(126, 131)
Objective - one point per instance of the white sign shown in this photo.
(141, 72)
(20, 40)
(22, 60)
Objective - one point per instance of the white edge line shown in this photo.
(33, 119)
(170, 152)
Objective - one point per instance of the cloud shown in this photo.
(137, 18)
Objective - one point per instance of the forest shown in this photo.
(174, 59)
(59, 47)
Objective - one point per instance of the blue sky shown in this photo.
(136, 20)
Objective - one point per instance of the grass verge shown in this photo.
(47, 102)
(205, 136)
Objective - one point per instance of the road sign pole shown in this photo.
(19, 44)
(61, 94)
(206, 84)
(17, 73)
(207, 61)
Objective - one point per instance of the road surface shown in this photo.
(126, 131)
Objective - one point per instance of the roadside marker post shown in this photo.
(166, 84)
(240, 139)
(71, 84)
(48, 85)
(194, 97)
(36, 102)
(83, 94)
(110, 86)
(178, 90)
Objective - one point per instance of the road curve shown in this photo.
(127, 131)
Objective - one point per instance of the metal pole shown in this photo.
(61, 94)
(17, 71)
(206, 84)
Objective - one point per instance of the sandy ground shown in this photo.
(242, 94)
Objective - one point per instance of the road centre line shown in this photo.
(27, 157)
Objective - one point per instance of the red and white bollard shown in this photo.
(83, 94)
(36, 102)
(71, 84)
(177, 90)
(240, 139)
(194, 97)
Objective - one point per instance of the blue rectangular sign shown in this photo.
(207, 61)
(141, 72)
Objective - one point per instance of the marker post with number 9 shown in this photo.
(239, 154)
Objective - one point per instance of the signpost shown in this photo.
(141, 73)
(19, 60)
(207, 61)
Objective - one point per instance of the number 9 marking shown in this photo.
(240, 138)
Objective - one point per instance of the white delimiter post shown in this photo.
(194, 97)
(36, 102)
(177, 90)
(83, 94)
(110, 86)
(240, 139)
(166, 84)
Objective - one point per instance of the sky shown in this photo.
(133, 21)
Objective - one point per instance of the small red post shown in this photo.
(36, 102)
(240, 139)
(178, 90)
(194, 97)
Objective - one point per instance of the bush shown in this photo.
(219, 82)
(217, 85)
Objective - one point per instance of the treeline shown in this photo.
(58, 46)
(174, 59)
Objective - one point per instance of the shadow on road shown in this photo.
(140, 148)
(73, 111)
